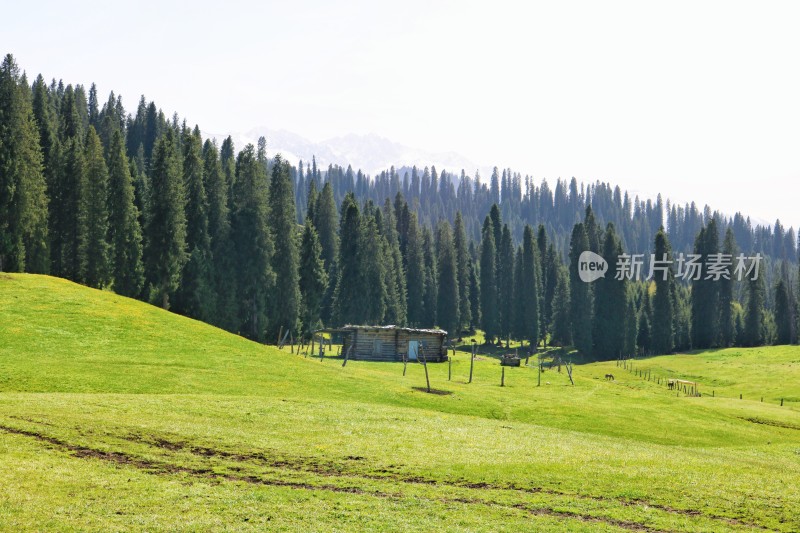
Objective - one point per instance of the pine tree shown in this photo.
(754, 318)
(447, 267)
(196, 296)
(23, 200)
(518, 298)
(166, 223)
(662, 330)
(253, 244)
(489, 312)
(327, 225)
(313, 279)
(71, 224)
(705, 293)
(431, 295)
(644, 335)
(95, 270)
(285, 261)
(67, 213)
(463, 273)
(784, 319)
(415, 273)
(610, 304)
(505, 283)
(581, 305)
(560, 328)
(474, 292)
(372, 265)
(347, 308)
(726, 318)
(631, 328)
(528, 287)
(396, 309)
(125, 233)
(219, 232)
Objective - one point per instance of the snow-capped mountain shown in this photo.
(370, 153)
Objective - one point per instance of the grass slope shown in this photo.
(117, 415)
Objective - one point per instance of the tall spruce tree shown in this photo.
(489, 313)
(448, 297)
(69, 215)
(518, 297)
(663, 326)
(754, 319)
(125, 233)
(784, 310)
(610, 304)
(463, 272)
(529, 288)
(581, 305)
(96, 271)
(631, 328)
(705, 292)
(347, 308)
(285, 261)
(327, 226)
(253, 244)
(505, 283)
(396, 304)
(560, 326)
(372, 265)
(474, 292)
(727, 325)
(219, 232)
(313, 279)
(166, 223)
(431, 295)
(415, 273)
(196, 296)
(23, 200)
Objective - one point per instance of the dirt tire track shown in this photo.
(313, 467)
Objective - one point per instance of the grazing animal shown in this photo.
(610, 377)
(671, 384)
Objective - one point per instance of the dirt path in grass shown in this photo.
(348, 471)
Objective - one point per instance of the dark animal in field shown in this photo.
(671, 384)
(610, 377)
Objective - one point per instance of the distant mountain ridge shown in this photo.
(370, 153)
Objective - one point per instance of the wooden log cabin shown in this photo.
(392, 343)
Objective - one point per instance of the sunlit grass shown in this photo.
(118, 415)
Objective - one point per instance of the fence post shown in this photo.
(502, 376)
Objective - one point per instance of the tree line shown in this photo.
(143, 205)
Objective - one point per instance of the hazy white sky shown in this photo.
(697, 100)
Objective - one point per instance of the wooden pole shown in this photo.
(449, 369)
(471, 362)
(280, 332)
(346, 355)
(425, 364)
(502, 376)
(539, 365)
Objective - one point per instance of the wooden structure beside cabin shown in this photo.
(392, 343)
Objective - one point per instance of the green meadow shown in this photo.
(116, 415)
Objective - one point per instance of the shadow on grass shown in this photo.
(437, 392)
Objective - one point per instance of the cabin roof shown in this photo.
(351, 327)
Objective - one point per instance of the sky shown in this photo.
(697, 100)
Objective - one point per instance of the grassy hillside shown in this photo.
(117, 415)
